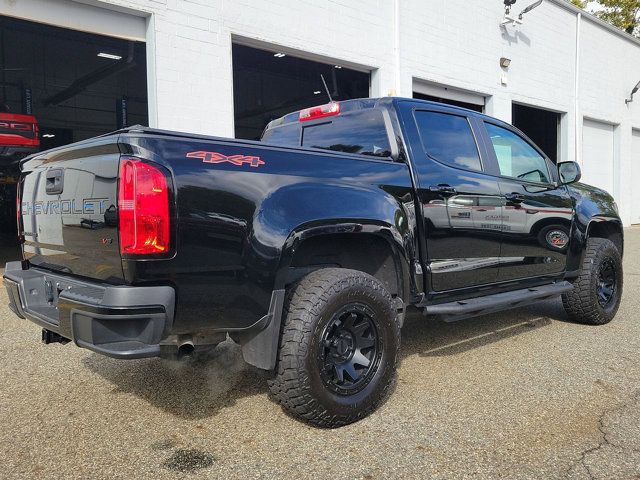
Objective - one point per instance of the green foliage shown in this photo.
(624, 14)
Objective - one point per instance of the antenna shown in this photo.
(326, 89)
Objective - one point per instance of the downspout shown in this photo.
(396, 31)
(578, 119)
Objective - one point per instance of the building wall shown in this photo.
(457, 43)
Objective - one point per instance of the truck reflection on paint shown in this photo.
(526, 220)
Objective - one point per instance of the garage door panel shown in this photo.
(598, 153)
(78, 16)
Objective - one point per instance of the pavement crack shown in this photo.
(604, 441)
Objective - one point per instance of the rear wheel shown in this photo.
(339, 348)
(597, 291)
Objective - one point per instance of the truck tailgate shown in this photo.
(68, 200)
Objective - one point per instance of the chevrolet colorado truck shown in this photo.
(307, 247)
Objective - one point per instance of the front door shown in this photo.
(536, 215)
(461, 203)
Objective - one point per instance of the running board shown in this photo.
(454, 311)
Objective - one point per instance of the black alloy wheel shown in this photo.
(350, 349)
(606, 282)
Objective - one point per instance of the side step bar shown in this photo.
(454, 311)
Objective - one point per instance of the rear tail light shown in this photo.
(143, 209)
(321, 111)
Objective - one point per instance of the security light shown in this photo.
(633, 92)
(279, 55)
(505, 62)
(110, 56)
(337, 66)
(317, 92)
(48, 135)
(510, 20)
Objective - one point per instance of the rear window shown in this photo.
(287, 135)
(362, 132)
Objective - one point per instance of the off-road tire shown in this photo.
(581, 303)
(311, 305)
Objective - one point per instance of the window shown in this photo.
(362, 132)
(286, 135)
(516, 158)
(448, 139)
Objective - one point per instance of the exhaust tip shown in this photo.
(186, 349)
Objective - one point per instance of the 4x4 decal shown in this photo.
(215, 157)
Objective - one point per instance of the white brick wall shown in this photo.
(452, 42)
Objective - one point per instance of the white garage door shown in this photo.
(635, 159)
(598, 148)
(78, 16)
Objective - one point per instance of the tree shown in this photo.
(624, 14)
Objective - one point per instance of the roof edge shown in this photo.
(592, 18)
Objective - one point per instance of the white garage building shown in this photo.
(212, 67)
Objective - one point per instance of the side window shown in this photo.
(516, 158)
(448, 139)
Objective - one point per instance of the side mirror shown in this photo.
(569, 172)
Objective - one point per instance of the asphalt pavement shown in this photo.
(521, 394)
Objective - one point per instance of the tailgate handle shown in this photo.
(55, 183)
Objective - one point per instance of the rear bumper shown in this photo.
(118, 321)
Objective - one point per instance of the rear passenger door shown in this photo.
(460, 200)
(537, 213)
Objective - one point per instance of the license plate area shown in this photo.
(41, 296)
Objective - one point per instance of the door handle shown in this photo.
(54, 181)
(442, 189)
(514, 197)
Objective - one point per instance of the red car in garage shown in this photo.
(19, 136)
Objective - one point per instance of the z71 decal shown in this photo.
(215, 157)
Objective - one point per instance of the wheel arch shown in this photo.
(608, 228)
(374, 248)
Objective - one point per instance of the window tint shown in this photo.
(516, 158)
(287, 135)
(449, 139)
(360, 132)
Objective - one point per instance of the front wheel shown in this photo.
(597, 291)
(339, 348)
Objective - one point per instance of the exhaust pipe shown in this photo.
(186, 349)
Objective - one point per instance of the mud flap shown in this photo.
(261, 349)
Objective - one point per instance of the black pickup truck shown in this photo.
(307, 248)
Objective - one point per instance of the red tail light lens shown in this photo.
(327, 110)
(143, 209)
